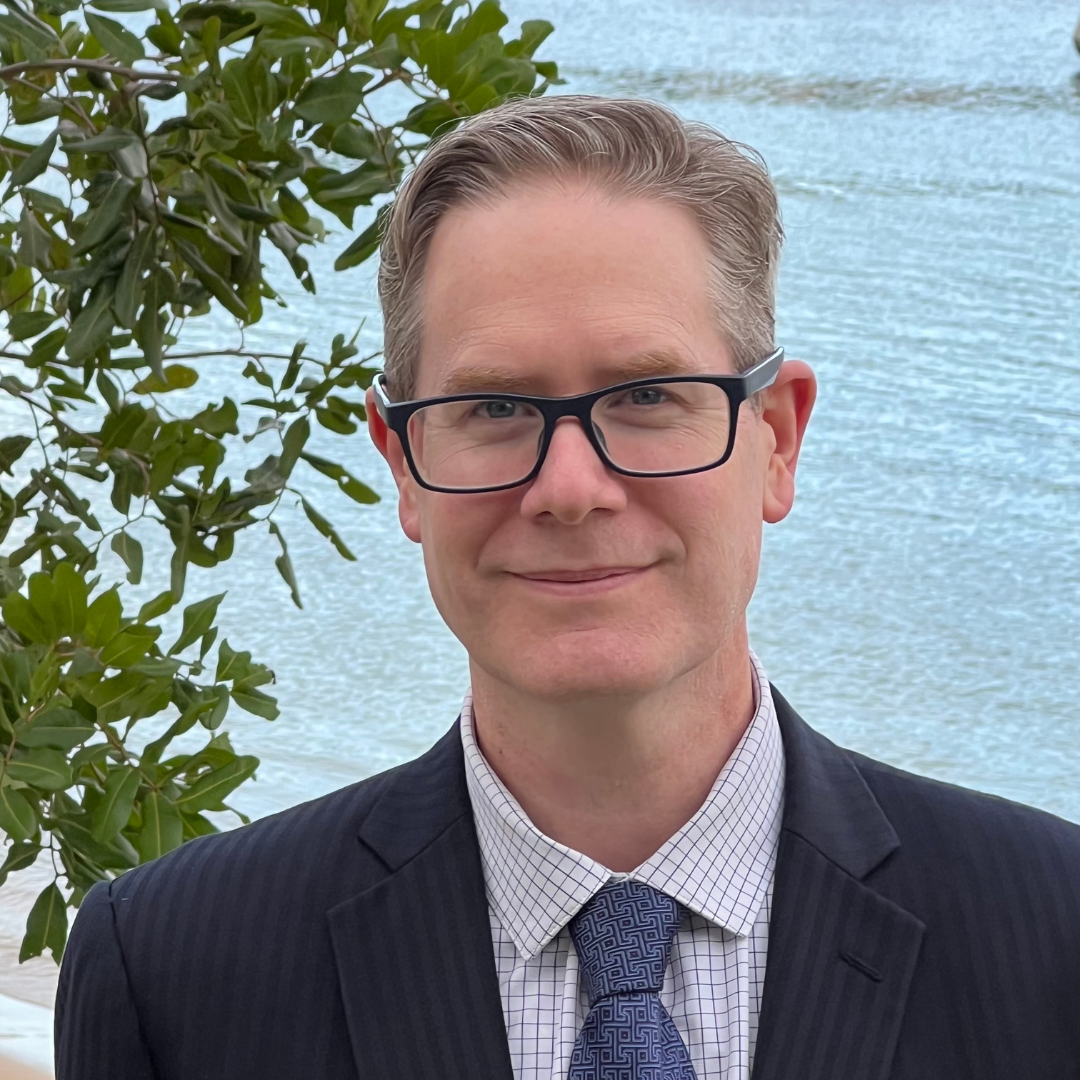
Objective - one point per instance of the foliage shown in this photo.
(158, 154)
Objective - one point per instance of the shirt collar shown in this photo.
(719, 864)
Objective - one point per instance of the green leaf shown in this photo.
(150, 327)
(115, 853)
(157, 607)
(109, 695)
(162, 827)
(19, 857)
(292, 444)
(28, 324)
(293, 369)
(41, 768)
(17, 817)
(17, 611)
(106, 215)
(218, 421)
(357, 491)
(112, 813)
(130, 550)
(33, 165)
(209, 791)
(294, 210)
(534, 32)
(354, 141)
(46, 926)
(212, 718)
(256, 702)
(103, 618)
(285, 566)
(68, 601)
(115, 39)
(176, 377)
(129, 646)
(93, 324)
(334, 421)
(198, 618)
(106, 141)
(12, 447)
(129, 289)
(326, 529)
(366, 244)
(39, 589)
(215, 284)
(332, 98)
(59, 727)
(120, 6)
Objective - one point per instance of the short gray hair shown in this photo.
(630, 147)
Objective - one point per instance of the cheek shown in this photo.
(455, 530)
(720, 527)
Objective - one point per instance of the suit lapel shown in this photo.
(414, 953)
(841, 955)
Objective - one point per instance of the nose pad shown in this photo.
(600, 436)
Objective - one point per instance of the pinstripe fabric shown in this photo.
(919, 932)
(719, 866)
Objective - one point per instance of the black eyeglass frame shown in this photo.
(738, 388)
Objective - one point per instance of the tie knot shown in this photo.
(623, 938)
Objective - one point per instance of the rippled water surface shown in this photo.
(922, 603)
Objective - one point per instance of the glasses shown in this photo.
(665, 426)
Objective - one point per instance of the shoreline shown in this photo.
(26, 1040)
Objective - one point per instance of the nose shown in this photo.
(573, 481)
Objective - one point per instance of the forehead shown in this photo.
(557, 289)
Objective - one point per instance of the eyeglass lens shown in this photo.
(658, 428)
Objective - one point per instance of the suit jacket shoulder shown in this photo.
(935, 930)
(1000, 875)
(220, 955)
(971, 827)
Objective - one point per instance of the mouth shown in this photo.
(583, 582)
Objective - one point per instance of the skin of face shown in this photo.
(585, 586)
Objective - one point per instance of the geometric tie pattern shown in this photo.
(623, 938)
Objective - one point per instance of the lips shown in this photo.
(598, 573)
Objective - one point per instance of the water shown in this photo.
(922, 602)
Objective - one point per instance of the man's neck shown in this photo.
(615, 780)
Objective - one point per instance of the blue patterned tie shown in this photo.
(623, 937)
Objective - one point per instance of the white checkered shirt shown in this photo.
(719, 866)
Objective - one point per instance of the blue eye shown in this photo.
(646, 395)
(498, 410)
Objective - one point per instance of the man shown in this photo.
(629, 858)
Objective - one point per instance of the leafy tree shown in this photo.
(145, 174)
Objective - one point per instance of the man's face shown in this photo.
(583, 582)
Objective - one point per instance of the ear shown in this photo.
(389, 445)
(786, 412)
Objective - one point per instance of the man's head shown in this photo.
(554, 247)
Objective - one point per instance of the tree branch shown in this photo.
(13, 70)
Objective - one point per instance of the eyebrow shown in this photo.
(476, 379)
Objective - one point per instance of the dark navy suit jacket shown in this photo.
(919, 932)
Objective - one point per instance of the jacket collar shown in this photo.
(826, 800)
(841, 955)
(414, 957)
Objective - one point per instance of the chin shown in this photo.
(590, 663)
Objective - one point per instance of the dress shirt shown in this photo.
(719, 866)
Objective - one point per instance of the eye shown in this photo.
(646, 395)
(497, 410)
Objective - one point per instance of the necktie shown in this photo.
(623, 938)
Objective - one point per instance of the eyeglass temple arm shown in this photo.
(763, 374)
(382, 399)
